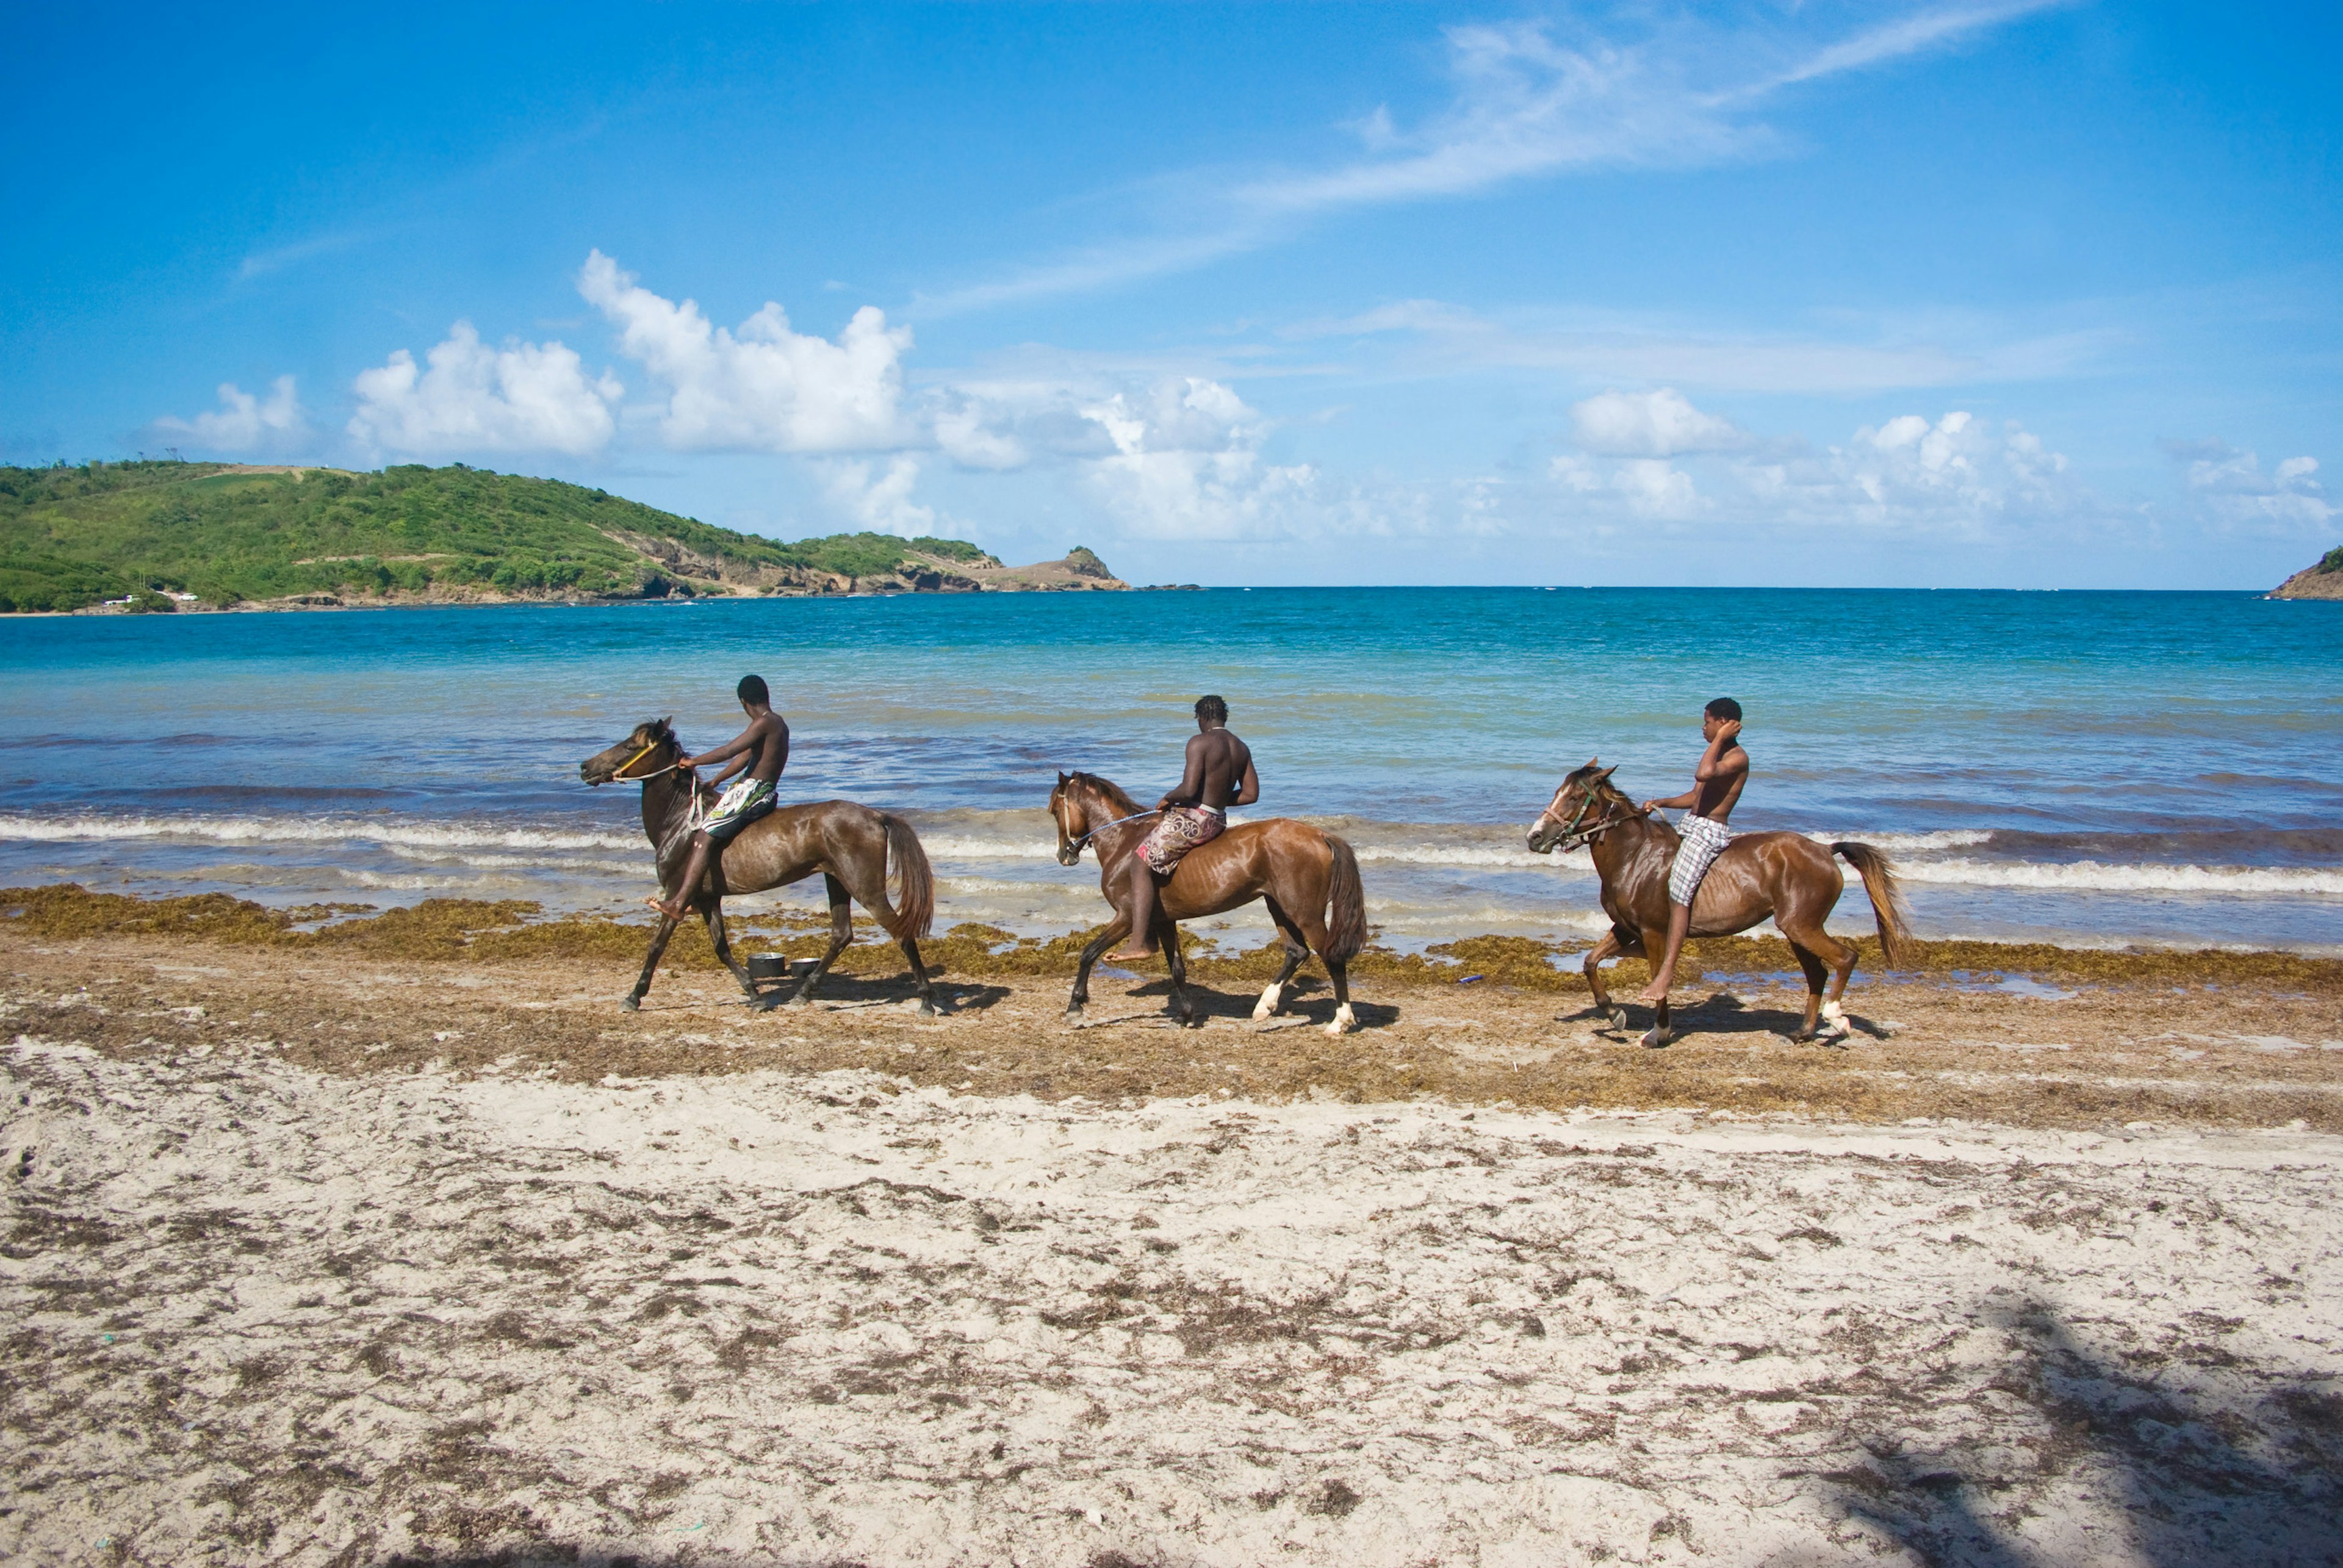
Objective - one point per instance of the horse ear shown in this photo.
(1605, 777)
(1061, 778)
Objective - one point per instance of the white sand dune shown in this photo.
(280, 1317)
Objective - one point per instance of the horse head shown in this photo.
(1586, 799)
(1073, 803)
(1071, 815)
(649, 750)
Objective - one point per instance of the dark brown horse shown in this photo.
(849, 845)
(1785, 875)
(1309, 880)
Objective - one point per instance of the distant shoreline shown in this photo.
(313, 602)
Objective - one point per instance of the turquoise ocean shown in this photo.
(2084, 768)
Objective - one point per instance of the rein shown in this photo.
(1119, 821)
(1573, 837)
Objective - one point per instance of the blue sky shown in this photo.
(1968, 294)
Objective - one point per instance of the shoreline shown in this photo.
(468, 601)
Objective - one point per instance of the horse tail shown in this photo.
(915, 911)
(1887, 898)
(1346, 906)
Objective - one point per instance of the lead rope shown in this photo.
(1118, 822)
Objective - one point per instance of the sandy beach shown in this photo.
(316, 1257)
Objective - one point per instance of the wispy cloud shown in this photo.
(1442, 339)
(1524, 107)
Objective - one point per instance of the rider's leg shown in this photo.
(1679, 925)
(694, 870)
(1139, 899)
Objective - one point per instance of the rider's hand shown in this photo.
(1646, 806)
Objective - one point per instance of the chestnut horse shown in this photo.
(849, 844)
(1786, 875)
(1309, 880)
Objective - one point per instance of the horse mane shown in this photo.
(1124, 806)
(1601, 789)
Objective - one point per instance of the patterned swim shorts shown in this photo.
(742, 805)
(1705, 839)
(1180, 829)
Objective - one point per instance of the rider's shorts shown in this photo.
(742, 805)
(1705, 839)
(1180, 829)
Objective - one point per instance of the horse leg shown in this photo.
(714, 915)
(651, 963)
(1662, 1029)
(920, 974)
(1112, 934)
(1816, 947)
(1345, 1019)
(1313, 928)
(1167, 935)
(1814, 968)
(842, 932)
(1297, 949)
(1613, 1015)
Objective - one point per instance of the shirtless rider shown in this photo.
(1724, 769)
(1220, 775)
(763, 750)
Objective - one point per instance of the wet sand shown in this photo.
(319, 1256)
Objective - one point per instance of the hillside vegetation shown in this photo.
(71, 537)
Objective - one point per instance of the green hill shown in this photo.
(229, 534)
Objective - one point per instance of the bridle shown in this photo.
(1573, 837)
(619, 775)
(1071, 849)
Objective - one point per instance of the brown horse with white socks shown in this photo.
(849, 844)
(1309, 880)
(1787, 876)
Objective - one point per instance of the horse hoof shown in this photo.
(765, 1003)
(1619, 1019)
(1344, 1022)
(1656, 1037)
(632, 1004)
(1270, 1001)
(1075, 1014)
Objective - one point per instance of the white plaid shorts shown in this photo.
(1705, 839)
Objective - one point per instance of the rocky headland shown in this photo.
(2323, 578)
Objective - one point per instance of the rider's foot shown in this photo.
(1656, 994)
(1137, 956)
(672, 912)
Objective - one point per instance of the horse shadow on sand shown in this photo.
(2181, 1479)
(846, 992)
(1308, 1002)
(1725, 1013)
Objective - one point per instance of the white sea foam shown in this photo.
(1908, 843)
(307, 831)
(2098, 877)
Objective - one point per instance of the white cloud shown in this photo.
(1650, 488)
(878, 496)
(522, 397)
(1523, 106)
(1186, 464)
(1954, 477)
(1441, 339)
(2230, 484)
(1650, 425)
(762, 388)
(243, 421)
